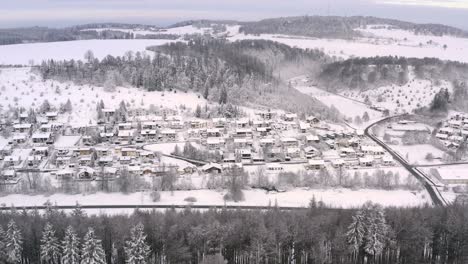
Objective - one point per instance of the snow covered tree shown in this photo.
(92, 251)
(198, 111)
(70, 247)
(365, 117)
(67, 107)
(89, 56)
(45, 107)
(49, 245)
(355, 234)
(376, 230)
(358, 120)
(2, 245)
(14, 243)
(136, 249)
(114, 255)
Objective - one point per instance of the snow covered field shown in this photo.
(346, 106)
(417, 153)
(344, 198)
(378, 42)
(21, 88)
(402, 99)
(37, 52)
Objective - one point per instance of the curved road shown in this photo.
(430, 186)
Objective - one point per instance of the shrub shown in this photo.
(191, 199)
(155, 196)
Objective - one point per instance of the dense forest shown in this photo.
(43, 34)
(370, 234)
(243, 72)
(339, 27)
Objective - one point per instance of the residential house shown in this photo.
(126, 136)
(311, 152)
(168, 135)
(367, 161)
(42, 138)
(243, 132)
(214, 143)
(22, 128)
(219, 122)
(212, 168)
(51, 116)
(289, 142)
(315, 164)
(310, 139)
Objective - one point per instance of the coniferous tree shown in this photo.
(92, 251)
(14, 243)
(3, 255)
(70, 247)
(136, 249)
(49, 245)
(355, 234)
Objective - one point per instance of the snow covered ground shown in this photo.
(378, 42)
(417, 153)
(37, 52)
(21, 88)
(348, 107)
(402, 99)
(344, 198)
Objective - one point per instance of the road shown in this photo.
(430, 185)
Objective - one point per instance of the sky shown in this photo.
(62, 13)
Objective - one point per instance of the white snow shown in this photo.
(348, 107)
(417, 153)
(25, 89)
(344, 198)
(37, 52)
(379, 42)
(402, 99)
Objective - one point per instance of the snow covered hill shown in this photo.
(379, 41)
(24, 54)
(21, 88)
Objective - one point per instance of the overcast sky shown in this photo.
(60, 13)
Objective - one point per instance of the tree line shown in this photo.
(370, 234)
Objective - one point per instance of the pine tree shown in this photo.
(355, 233)
(136, 249)
(49, 245)
(78, 212)
(70, 247)
(114, 255)
(376, 230)
(92, 252)
(2, 245)
(14, 243)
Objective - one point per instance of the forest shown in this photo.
(370, 234)
(340, 27)
(43, 34)
(242, 73)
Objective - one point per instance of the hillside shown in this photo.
(243, 73)
(340, 27)
(407, 81)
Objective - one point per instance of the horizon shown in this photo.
(60, 14)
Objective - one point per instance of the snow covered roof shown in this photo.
(316, 162)
(214, 140)
(41, 135)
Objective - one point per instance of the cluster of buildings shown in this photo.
(454, 131)
(269, 139)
